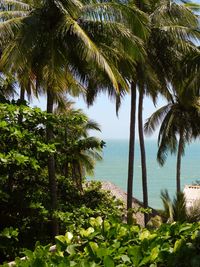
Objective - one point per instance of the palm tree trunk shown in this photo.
(178, 164)
(21, 100)
(66, 169)
(22, 94)
(131, 147)
(143, 154)
(51, 168)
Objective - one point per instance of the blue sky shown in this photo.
(103, 112)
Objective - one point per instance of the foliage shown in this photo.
(108, 243)
(93, 202)
(8, 241)
(74, 48)
(176, 209)
(24, 187)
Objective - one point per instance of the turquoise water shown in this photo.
(115, 161)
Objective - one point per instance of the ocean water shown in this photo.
(114, 168)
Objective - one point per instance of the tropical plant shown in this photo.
(58, 64)
(179, 126)
(79, 150)
(7, 87)
(107, 243)
(171, 36)
(24, 188)
(176, 210)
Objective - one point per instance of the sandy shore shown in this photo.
(120, 194)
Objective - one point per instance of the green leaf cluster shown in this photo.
(24, 186)
(109, 243)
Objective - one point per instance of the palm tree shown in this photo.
(153, 75)
(176, 209)
(150, 85)
(179, 125)
(11, 13)
(83, 150)
(8, 86)
(61, 42)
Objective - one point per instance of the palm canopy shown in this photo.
(173, 26)
(8, 87)
(80, 151)
(180, 117)
(63, 41)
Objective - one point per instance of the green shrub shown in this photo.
(109, 243)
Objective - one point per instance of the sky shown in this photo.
(103, 112)
(113, 127)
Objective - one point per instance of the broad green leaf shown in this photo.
(96, 221)
(99, 221)
(145, 234)
(125, 258)
(135, 228)
(101, 252)
(94, 246)
(71, 249)
(145, 260)
(122, 231)
(136, 254)
(154, 253)
(87, 232)
(108, 261)
(68, 237)
(61, 239)
(178, 244)
(185, 228)
(3, 124)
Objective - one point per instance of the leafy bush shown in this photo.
(24, 185)
(177, 210)
(8, 241)
(93, 202)
(109, 243)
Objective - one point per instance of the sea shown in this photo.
(114, 168)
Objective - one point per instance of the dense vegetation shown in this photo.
(24, 187)
(103, 242)
(58, 48)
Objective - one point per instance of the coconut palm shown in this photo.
(7, 87)
(170, 36)
(179, 120)
(82, 152)
(148, 84)
(61, 42)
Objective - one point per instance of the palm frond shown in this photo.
(155, 119)
(92, 125)
(193, 6)
(6, 15)
(91, 52)
(167, 204)
(8, 29)
(179, 207)
(15, 4)
(182, 32)
(174, 14)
